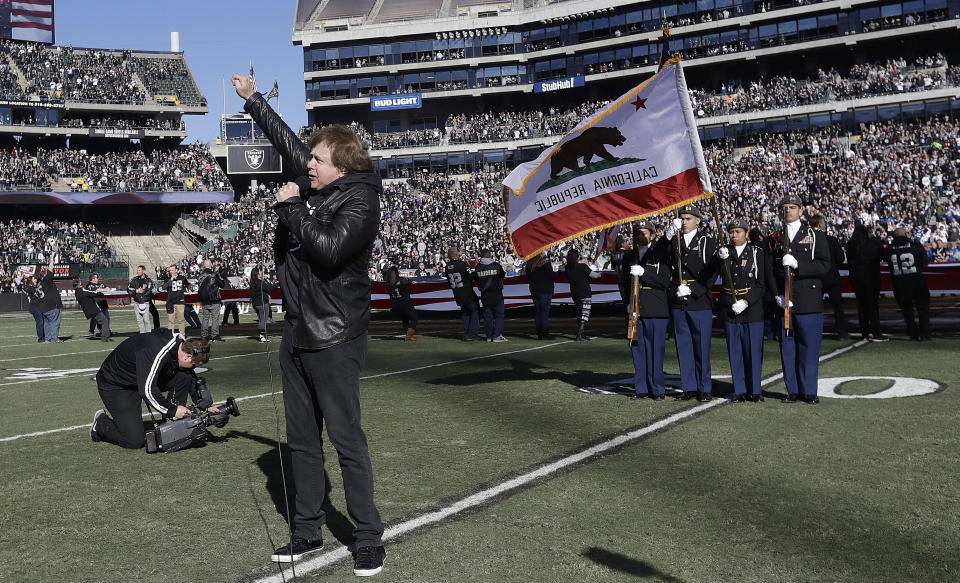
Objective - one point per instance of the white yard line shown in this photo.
(386, 374)
(485, 496)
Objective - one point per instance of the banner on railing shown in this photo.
(432, 294)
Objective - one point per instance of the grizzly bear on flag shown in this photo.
(591, 142)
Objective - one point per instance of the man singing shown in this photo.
(323, 244)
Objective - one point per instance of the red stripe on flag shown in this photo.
(39, 13)
(32, 25)
(607, 208)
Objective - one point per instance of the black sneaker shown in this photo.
(100, 414)
(368, 561)
(217, 339)
(296, 549)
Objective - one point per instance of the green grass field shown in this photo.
(853, 489)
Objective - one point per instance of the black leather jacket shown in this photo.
(336, 227)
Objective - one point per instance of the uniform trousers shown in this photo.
(648, 356)
(745, 347)
(693, 329)
(911, 293)
(800, 353)
(324, 386)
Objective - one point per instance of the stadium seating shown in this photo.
(346, 8)
(168, 77)
(189, 168)
(24, 241)
(409, 10)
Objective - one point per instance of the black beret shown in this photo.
(791, 199)
(738, 224)
(691, 209)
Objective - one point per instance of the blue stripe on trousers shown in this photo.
(693, 329)
(745, 348)
(648, 356)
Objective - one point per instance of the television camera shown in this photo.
(175, 434)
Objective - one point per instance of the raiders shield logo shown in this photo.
(254, 158)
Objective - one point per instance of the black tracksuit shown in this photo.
(907, 259)
(863, 259)
(401, 305)
(832, 284)
(92, 308)
(142, 367)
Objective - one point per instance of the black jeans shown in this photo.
(868, 306)
(228, 309)
(835, 292)
(406, 314)
(324, 386)
(123, 403)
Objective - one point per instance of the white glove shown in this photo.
(636, 270)
(790, 261)
(683, 291)
(677, 223)
(781, 301)
(739, 306)
(723, 253)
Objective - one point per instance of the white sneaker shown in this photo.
(500, 339)
(264, 339)
(100, 414)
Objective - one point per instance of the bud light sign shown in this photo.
(402, 101)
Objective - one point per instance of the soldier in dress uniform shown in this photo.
(646, 261)
(741, 299)
(692, 255)
(809, 260)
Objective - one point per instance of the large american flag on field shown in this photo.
(27, 20)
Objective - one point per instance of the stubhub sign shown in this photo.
(558, 85)
(402, 101)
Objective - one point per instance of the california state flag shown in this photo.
(637, 157)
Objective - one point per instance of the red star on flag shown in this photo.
(640, 103)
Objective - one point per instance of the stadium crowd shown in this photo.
(63, 72)
(35, 241)
(891, 173)
(780, 91)
(190, 168)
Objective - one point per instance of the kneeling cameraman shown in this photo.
(145, 366)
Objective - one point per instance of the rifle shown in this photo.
(787, 285)
(679, 237)
(726, 262)
(633, 332)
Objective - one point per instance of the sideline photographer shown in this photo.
(145, 366)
